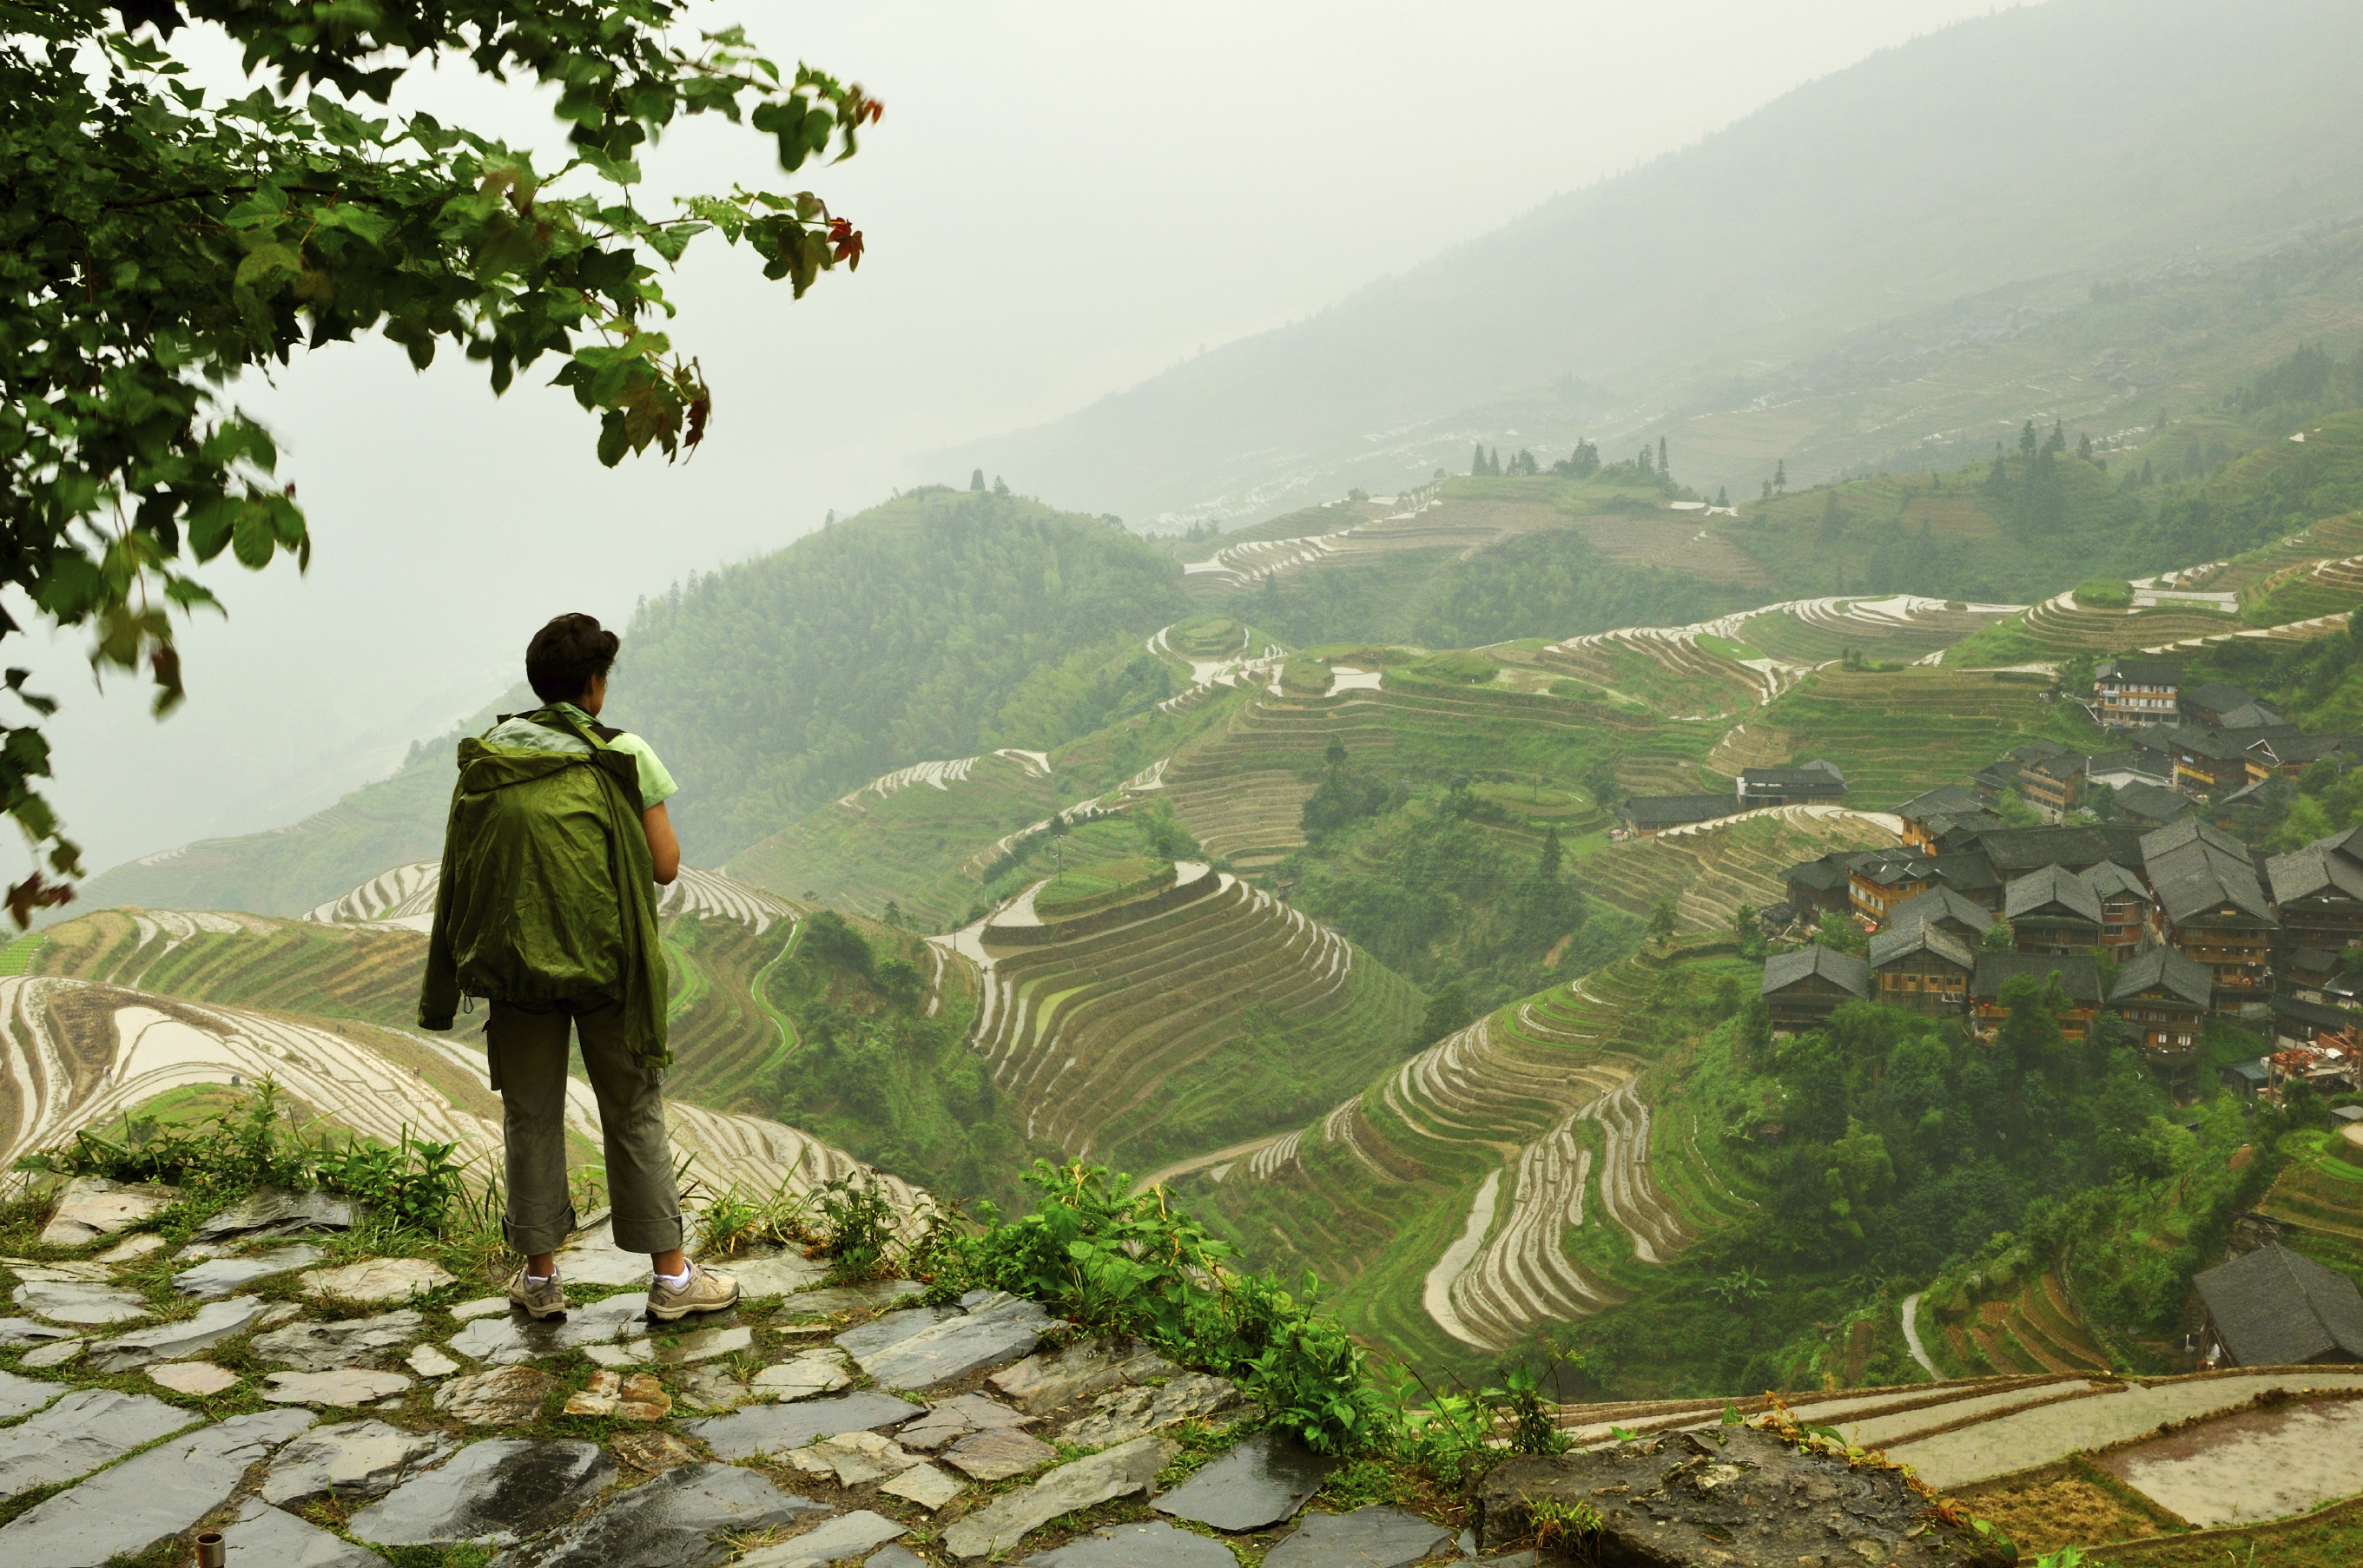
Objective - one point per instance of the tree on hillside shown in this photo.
(2085, 447)
(1334, 754)
(1477, 463)
(1494, 463)
(1663, 922)
(159, 242)
(1641, 460)
(2027, 442)
(1000, 487)
(1722, 495)
(1664, 468)
(1781, 477)
(976, 480)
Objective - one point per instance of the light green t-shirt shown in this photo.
(656, 784)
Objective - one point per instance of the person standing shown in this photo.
(557, 839)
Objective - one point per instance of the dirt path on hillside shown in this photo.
(1200, 1162)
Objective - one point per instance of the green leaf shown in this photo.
(252, 539)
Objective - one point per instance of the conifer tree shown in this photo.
(1643, 463)
(2084, 447)
(1781, 477)
(1477, 464)
(1722, 495)
(1494, 463)
(999, 488)
(2027, 442)
(1664, 469)
(976, 480)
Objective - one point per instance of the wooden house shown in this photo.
(2052, 910)
(2166, 998)
(1919, 965)
(2052, 785)
(2213, 907)
(1925, 817)
(1803, 988)
(2277, 1308)
(1878, 881)
(2129, 691)
(1816, 780)
(1946, 910)
(2318, 892)
(2080, 978)
(2128, 910)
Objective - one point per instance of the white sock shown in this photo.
(541, 1278)
(673, 1281)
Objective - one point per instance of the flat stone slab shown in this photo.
(829, 1301)
(494, 1492)
(1157, 1545)
(925, 1348)
(816, 1371)
(997, 1454)
(671, 1522)
(652, 1451)
(57, 1353)
(79, 1302)
(681, 1349)
(1374, 1537)
(84, 1429)
(778, 1428)
(1041, 1384)
(17, 1333)
(429, 1362)
(348, 1389)
(640, 1397)
(504, 1396)
(276, 1211)
(347, 1341)
(1260, 1482)
(949, 1420)
(90, 1207)
(926, 1486)
(215, 1321)
(201, 1379)
(147, 1497)
(378, 1279)
(132, 1250)
(780, 1276)
(263, 1536)
(353, 1460)
(88, 1271)
(1728, 1494)
(846, 1535)
(1128, 1413)
(1117, 1473)
(854, 1459)
(2250, 1465)
(23, 1395)
(512, 1339)
(482, 1306)
(217, 1277)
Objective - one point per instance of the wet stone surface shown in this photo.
(429, 1362)
(1117, 1473)
(816, 1371)
(147, 1497)
(778, 1276)
(352, 1460)
(1749, 1498)
(997, 1454)
(349, 1341)
(838, 1298)
(925, 1346)
(512, 1338)
(949, 1420)
(1374, 1537)
(495, 1492)
(670, 1522)
(674, 1349)
(652, 1451)
(217, 1277)
(1264, 1480)
(377, 1279)
(90, 1207)
(80, 1432)
(777, 1429)
(1043, 1383)
(349, 1388)
(276, 1211)
(263, 1536)
(504, 1396)
(1137, 1546)
(215, 1321)
(846, 1535)
(1128, 1413)
(926, 1486)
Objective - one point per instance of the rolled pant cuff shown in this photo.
(541, 1236)
(650, 1236)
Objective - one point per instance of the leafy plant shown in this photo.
(858, 1224)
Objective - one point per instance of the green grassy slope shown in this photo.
(1896, 733)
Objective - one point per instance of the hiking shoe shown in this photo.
(704, 1291)
(539, 1297)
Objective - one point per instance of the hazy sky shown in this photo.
(1063, 200)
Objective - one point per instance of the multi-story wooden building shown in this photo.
(2128, 910)
(1816, 780)
(1928, 819)
(1878, 882)
(2213, 908)
(1803, 988)
(2318, 892)
(2080, 978)
(2166, 998)
(1918, 966)
(1949, 910)
(2052, 910)
(2052, 785)
(2128, 692)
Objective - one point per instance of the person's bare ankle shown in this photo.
(541, 1265)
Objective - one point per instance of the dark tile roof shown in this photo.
(1969, 871)
(1904, 938)
(2112, 883)
(2060, 769)
(2289, 751)
(2013, 852)
(2277, 1308)
(1818, 774)
(2317, 868)
(1822, 876)
(2167, 968)
(2251, 717)
(2213, 697)
(1891, 869)
(1948, 826)
(1848, 972)
(2133, 759)
(1673, 810)
(2155, 801)
(2049, 886)
(2228, 745)
(1944, 800)
(2078, 976)
(2316, 959)
(2141, 671)
(2314, 1014)
(2196, 868)
(1940, 903)
(2253, 1071)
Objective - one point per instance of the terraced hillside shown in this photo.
(1897, 733)
(1513, 1176)
(81, 1054)
(1708, 871)
(1174, 1022)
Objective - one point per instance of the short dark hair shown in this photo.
(566, 656)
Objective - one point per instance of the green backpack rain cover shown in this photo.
(547, 893)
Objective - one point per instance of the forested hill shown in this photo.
(943, 623)
(939, 624)
(2068, 141)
